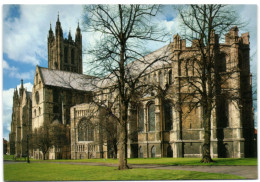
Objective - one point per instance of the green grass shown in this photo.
(162, 161)
(11, 157)
(173, 161)
(70, 172)
(8, 157)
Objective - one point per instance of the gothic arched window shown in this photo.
(161, 79)
(169, 151)
(56, 65)
(155, 78)
(72, 56)
(37, 97)
(170, 77)
(141, 152)
(66, 55)
(141, 118)
(222, 63)
(151, 117)
(85, 131)
(168, 115)
(153, 152)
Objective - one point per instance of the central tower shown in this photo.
(64, 54)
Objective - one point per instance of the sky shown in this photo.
(25, 31)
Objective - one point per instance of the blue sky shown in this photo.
(25, 30)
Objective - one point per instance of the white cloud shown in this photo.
(14, 72)
(7, 67)
(7, 111)
(25, 38)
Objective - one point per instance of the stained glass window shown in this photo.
(151, 117)
(168, 115)
(85, 131)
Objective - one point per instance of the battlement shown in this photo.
(230, 38)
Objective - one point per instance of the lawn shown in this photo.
(162, 161)
(71, 172)
(173, 161)
(11, 157)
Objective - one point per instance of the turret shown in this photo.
(213, 37)
(69, 37)
(78, 36)
(58, 29)
(177, 42)
(78, 41)
(51, 35)
(21, 88)
(15, 97)
(232, 36)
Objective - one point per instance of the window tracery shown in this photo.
(151, 117)
(85, 131)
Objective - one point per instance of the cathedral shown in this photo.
(156, 127)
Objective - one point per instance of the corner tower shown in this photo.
(64, 54)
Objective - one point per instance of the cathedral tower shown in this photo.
(64, 54)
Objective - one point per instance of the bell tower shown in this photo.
(64, 54)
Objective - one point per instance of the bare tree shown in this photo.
(59, 136)
(118, 56)
(203, 23)
(42, 140)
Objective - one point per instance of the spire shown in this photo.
(50, 31)
(58, 29)
(22, 83)
(58, 19)
(69, 37)
(78, 34)
(78, 26)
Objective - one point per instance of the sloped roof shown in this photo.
(155, 60)
(29, 94)
(65, 79)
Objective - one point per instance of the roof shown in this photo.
(152, 61)
(29, 94)
(65, 79)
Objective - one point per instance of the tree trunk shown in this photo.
(206, 158)
(115, 150)
(123, 138)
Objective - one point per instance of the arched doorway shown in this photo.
(169, 151)
(153, 152)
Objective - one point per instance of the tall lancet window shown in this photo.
(161, 79)
(151, 117)
(140, 118)
(170, 77)
(66, 55)
(168, 115)
(72, 56)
